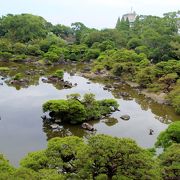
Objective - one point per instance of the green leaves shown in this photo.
(169, 136)
(24, 27)
(55, 106)
(170, 162)
(4, 165)
(101, 156)
(35, 161)
(75, 110)
(174, 97)
(59, 73)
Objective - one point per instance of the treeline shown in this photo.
(101, 157)
(146, 52)
(27, 34)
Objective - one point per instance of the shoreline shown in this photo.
(159, 98)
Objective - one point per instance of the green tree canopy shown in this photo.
(24, 27)
(169, 136)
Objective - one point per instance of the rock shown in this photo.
(73, 122)
(125, 117)
(133, 84)
(113, 109)
(124, 94)
(21, 82)
(46, 119)
(116, 78)
(88, 82)
(52, 114)
(116, 85)
(44, 80)
(29, 72)
(67, 84)
(14, 68)
(1, 83)
(87, 69)
(57, 120)
(55, 126)
(53, 79)
(71, 73)
(88, 127)
(75, 84)
(151, 132)
(41, 72)
(139, 92)
(108, 86)
(129, 98)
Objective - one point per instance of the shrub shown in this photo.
(101, 157)
(19, 48)
(5, 45)
(169, 79)
(18, 76)
(19, 58)
(51, 56)
(145, 76)
(73, 57)
(176, 103)
(35, 161)
(5, 167)
(5, 55)
(67, 110)
(92, 54)
(98, 68)
(174, 97)
(170, 162)
(76, 111)
(119, 157)
(169, 136)
(34, 50)
(4, 69)
(133, 43)
(59, 73)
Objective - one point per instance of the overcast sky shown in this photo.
(93, 13)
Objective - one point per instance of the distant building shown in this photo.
(131, 17)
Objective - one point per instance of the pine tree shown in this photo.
(118, 23)
(123, 24)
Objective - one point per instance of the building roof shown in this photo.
(130, 16)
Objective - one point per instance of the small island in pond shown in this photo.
(75, 110)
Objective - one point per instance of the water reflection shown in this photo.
(110, 121)
(163, 113)
(67, 130)
(22, 130)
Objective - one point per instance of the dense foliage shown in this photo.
(170, 162)
(99, 157)
(59, 74)
(170, 159)
(75, 110)
(169, 136)
(146, 52)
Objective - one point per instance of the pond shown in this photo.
(22, 129)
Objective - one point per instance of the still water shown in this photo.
(22, 129)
